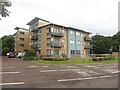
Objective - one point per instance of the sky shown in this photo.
(95, 16)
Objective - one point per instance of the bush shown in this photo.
(28, 58)
(64, 56)
(29, 55)
(54, 59)
(5, 50)
(99, 55)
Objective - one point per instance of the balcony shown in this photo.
(55, 44)
(87, 38)
(59, 34)
(88, 47)
(34, 37)
(35, 46)
(34, 29)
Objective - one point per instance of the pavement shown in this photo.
(17, 73)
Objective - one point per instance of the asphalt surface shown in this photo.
(23, 74)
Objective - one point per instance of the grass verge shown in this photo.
(75, 61)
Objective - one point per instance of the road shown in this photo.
(23, 74)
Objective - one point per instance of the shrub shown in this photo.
(99, 55)
(64, 55)
(54, 59)
(29, 55)
(28, 58)
(5, 50)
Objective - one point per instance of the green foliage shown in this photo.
(3, 10)
(102, 44)
(53, 59)
(29, 55)
(99, 55)
(30, 58)
(116, 42)
(7, 41)
(5, 50)
(64, 55)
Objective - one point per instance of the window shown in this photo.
(22, 33)
(21, 45)
(82, 34)
(22, 39)
(71, 41)
(52, 29)
(62, 41)
(51, 39)
(78, 33)
(78, 42)
(72, 32)
(63, 31)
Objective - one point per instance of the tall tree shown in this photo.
(101, 44)
(116, 42)
(7, 44)
(3, 10)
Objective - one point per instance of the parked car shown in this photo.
(20, 54)
(8, 54)
(11, 55)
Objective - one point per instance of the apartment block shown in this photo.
(78, 43)
(22, 40)
(50, 39)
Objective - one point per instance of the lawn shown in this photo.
(75, 61)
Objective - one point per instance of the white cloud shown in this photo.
(96, 16)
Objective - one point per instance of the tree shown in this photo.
(116, 42)
(3, 10)
(7, 44)
(101, 44)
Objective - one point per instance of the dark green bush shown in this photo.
(5, 50)
(29, 55)
(54, 59)
(99, 55)
(48, 58)
(28, 58)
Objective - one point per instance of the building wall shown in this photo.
(44, 38)
(74, 46)
(25, 42)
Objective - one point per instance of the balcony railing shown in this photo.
(88, 46)
(35, 29)
(36, 46)
(59, 34)
(55, 44)
(34, 37)
(87, 38)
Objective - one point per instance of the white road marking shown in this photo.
(8, 67)
(115, 72)
(84, 73)
(12, 83)
(88, 78)
(76, 79)
(9, 72)
(68, 66)
(92, 66)
(44, 66)
(33, 66)
(58, 70)
(105, 76)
